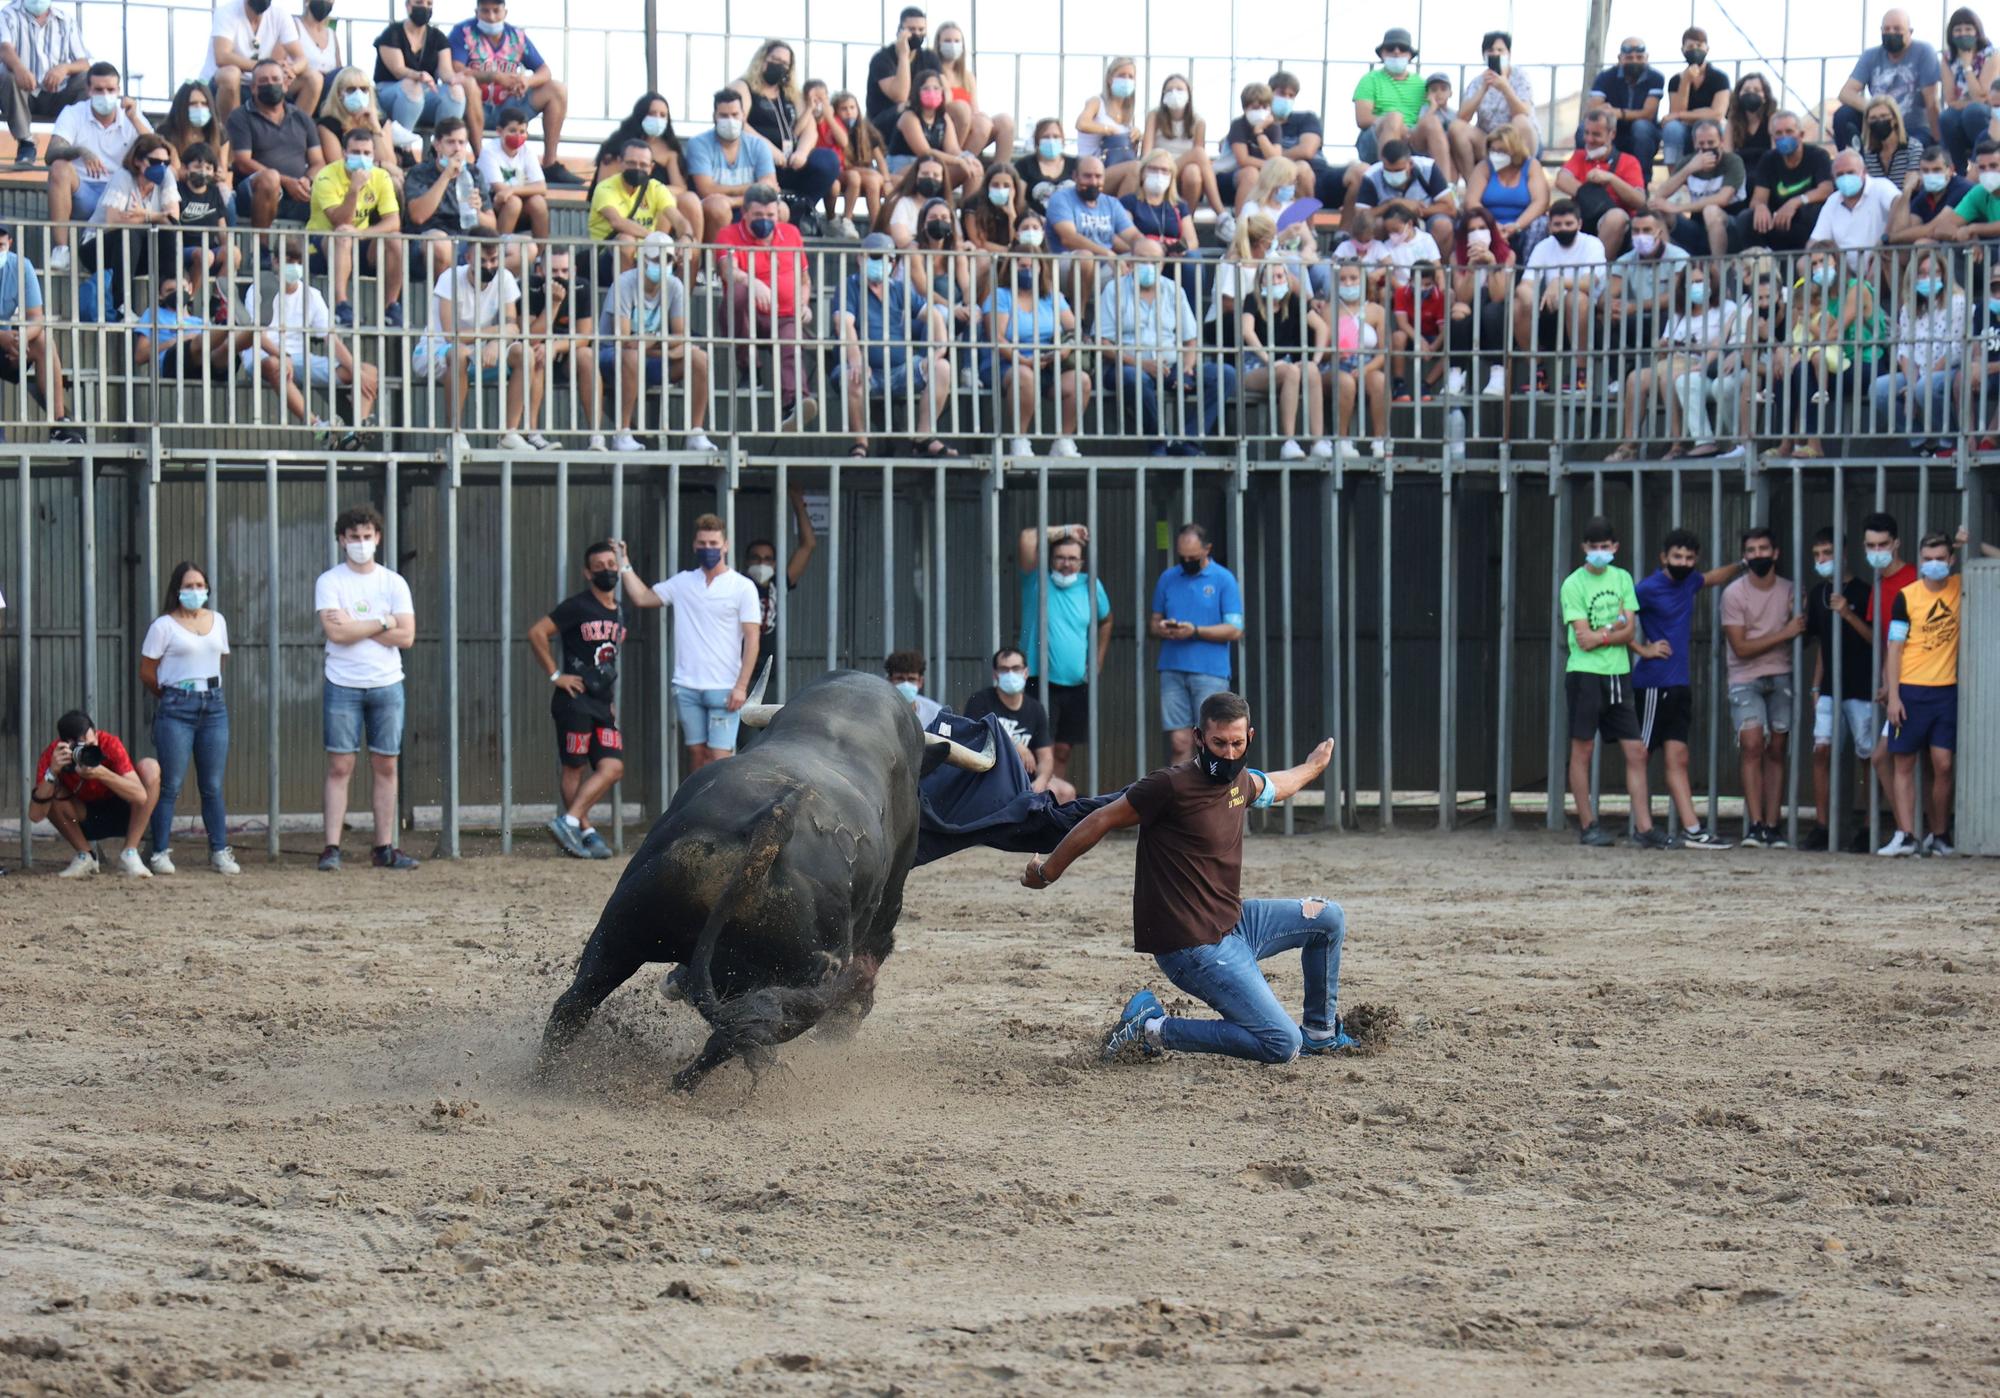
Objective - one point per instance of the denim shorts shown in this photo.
(705, 717)
(1181, 693)
(1860, 715)
(1765, 702)
(345, 712)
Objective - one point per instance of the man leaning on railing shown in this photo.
(768, 287)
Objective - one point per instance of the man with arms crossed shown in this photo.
(1660, 672)
(1598, 611)
(1760, 622)
(1188, 912)
(716, 629)
(587, 737)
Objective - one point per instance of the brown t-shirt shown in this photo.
(1185, 888)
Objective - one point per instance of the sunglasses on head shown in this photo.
(1640, 49)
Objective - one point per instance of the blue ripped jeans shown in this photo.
(1225, 976)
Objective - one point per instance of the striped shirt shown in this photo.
(42, 44)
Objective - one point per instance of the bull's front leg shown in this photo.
(599, 971)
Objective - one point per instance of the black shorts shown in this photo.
(586, 731)
(106, 819)
(1069, 712)
(1666, 715)
(289, 209)
(1600, 706)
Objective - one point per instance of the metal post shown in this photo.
(1637, 569)
(274, 639)
(1597, 747)
(506, 630)
(1923, 528)
(1094, 654)
(1287, 643)
(618, 681)
(1800, 728)
(670, 541)
(1139, 554)
(88, 508)
(1237, 553)
(1716, 707)
(1351, 705)
(448, 825)
(1329, 640)
(1447, 648)
(1503, 815)
(989, 491)
(1836, 808)
(1040, 659)
(781, 583)
(1558, 746)
(24, 630)
(833, 567)
(663, 748)
(1876, 625)
(1386, 618)
(940, 549)
(889, 567)
(209, 513)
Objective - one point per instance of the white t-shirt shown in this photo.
(182, 654)
(1551, 259)
(708, 627)
(274, 30)
(123, 194)
(76, 125)
(294, 316)
(324, 61)
(1420, 247)
(477, 307)
(501, 168)
(379, 592)
(1860, 228)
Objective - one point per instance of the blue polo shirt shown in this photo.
(886, 325)
(20, 288)
(1100, 222)
(1207, 598)
(1666, 611)
(1069, 625)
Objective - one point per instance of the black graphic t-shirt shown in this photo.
(591, 636)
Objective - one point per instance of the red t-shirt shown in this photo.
(1433, 306)
(1892, 587)
(766, 262)
(116, 759)
(1624, 166)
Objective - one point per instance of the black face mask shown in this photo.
(1220, 770)
(1880, 129)
(257, 7)
(635, 178)
(1761, 566)
(1191, 566)
(1634, 71)
(1695, 57)
(195, 182)
(1088, 195)
(320, 9)
(916, 42)
(937, 230)
(1567, 237)
(1679, 571)
(604, 579)
(271, 95)
(421, 16)
(1751, 102)
(775, 74)
(928, 188)
(1893, 43)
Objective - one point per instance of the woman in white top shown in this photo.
(976, 129)
(1930, 341)
(1105, 129)
(142, 195)
(1499, 96)
(180, 663)
(1693, 340)
(1174, 127)
(318, 38)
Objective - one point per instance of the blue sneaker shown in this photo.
(569, 837)
(343, 314)
(1131, 1026)
(1332, 1043)
(594, 846)
(392, 315)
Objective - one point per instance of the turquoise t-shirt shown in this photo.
(1069, 625)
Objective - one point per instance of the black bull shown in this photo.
(776, 878)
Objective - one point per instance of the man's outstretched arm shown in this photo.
(1288, 783)
(1044, 870)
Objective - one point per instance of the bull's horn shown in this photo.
(758, 715)
(959, 755)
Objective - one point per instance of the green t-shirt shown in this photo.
(1404, 95)
(1597, 599)
(1979, 206)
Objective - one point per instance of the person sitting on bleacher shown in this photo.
(628, 209)
(475, 321)
(415, 80)
(519, 184)
(90, 142)
(1402, 177)
(431, 194)
(42, 63)
(357, 196)
(769, 294)
(351, 105)
(643, 340)
(141, 196)
(559, 320)
(246, 35)
(895, 345)
(512, 73)
(190, 121)
(298, 351)
(25, 340)
(276, 150)
(319, 41)
(175, 340)
(725, 161)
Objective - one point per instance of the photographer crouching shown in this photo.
(90, 789)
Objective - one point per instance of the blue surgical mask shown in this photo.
(1848, 185)
(37, 8)
(157, 172)
(193, 599)
(1351, 291)
(1065, 580)
(1697, 293)
(104, 103)
(359, 163)
(1936, 180)
(1787, 146)
(354, 99)
(1598, 558)
(1122, 88)
(1049, 148)
(1148, 275)
(1823, 566)
(1281, 107)
(1993, 305)
(1010, 682)
(1929, 286)
(1934, 569)
(907, 690)
(1000, 195)
(652, 272)
(492, 28)
(653, 126)
(198, 117)
(708, 558)
(876, 269)
(293, 273)
(1880, 559)
(1824, 276)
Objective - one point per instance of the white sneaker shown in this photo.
(460, 444)
(82, 864)
(132, 866)
(512, 441)
(1225, 227)
(1900, 845)
(223, 861)
(1291, 451)
(539, 442)
(1378, 448)
(697, 442)
(1346, 450)
(968, 380)
(1064, 446)
(597, 442)
(1731, 454)
(625, 441)
(1454, 382)
(1496, 383)
(1934, 844)
(1322, 450)
(845, 226)
(59, 259)
(1021, 446)
(162, 863)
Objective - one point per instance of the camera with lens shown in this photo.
(86, 756)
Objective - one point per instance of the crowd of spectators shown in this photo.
(1724, 266)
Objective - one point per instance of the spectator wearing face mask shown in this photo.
(1786, 190)
(1886, 152)
(91, 141)
(1977, 216)
(177, 341)
(1599, 609)
(774, 108)
(1197, 615)
(1077, 601)
(724, 161)
(1662, 674)
(1608, 185)
(717, 623)
(1856, 219)
(1032, 337)
(1156, 213)
(1915, 396)
(905, 670)
(1688, 372)
(1701, 194)
(1759, 619)
(276, 150)
(1558, 294)
(896, 67)
(42, 65)
(1698, 93)
(1748, 131)
(895, 347)
(1972, 70)
(180, 664)
(509, 71)
(1389, 102)
(1152, 339)
(865, 157)
(245, 35)
(1254, 140)
(976, 129)
(1511, 186)
(1496, 97)
(1923, 211)
(357, 197)
(296, 350)
(520, 186)
(1046, 168)
(1109, 127)
(584, 684)
(1839, 332)
(26, 342)
(1175, 128)
(626, 209)
(760, 565)
(1641, 291)
(1088, 227)
(1482, 308)
(141, 200)
(1301, 138)
(899, 214)
(415, 79)
(643, 343)
(768, 285)
(1401, 176)
(1844, 694)
(1629, 92)
(1023, 719)
(924, 130)
(1901, 68)
(446, 198)
(319, 41)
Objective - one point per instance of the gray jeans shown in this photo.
(26, 107)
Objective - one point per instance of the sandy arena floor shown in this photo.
(1692, 1123)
